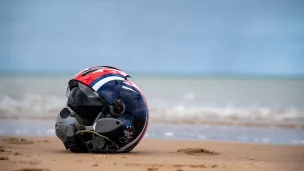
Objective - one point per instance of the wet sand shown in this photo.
(48, 153)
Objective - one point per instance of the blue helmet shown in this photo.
(105, 112)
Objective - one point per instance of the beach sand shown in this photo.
(48, 153)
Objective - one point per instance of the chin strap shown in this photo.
(83, 138)
(76, 141)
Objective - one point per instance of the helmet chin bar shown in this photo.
(98, 142)
(81, 138)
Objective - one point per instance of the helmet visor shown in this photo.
(84, 101)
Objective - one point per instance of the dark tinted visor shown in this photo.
(84, 101)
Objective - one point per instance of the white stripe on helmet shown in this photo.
(103, 81)
(127, 88)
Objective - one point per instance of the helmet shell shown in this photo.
(112, 83)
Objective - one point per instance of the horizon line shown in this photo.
(158, 74)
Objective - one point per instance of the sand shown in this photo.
(48, 153)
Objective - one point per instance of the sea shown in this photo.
(237, 109)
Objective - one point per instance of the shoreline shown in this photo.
(47, 153)
(231, 133)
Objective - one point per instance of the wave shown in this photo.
(40, 106)
(33, 105)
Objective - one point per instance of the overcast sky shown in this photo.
(154, 36)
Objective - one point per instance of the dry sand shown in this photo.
(45, 153)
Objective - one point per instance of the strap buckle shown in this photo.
(96, 144)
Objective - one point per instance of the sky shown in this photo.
(254, 37)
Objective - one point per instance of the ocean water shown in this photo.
(260, 135)
(198, 107)
(272, 101)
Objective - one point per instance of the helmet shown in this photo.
(105, 112)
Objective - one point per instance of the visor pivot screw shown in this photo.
(118, 107)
